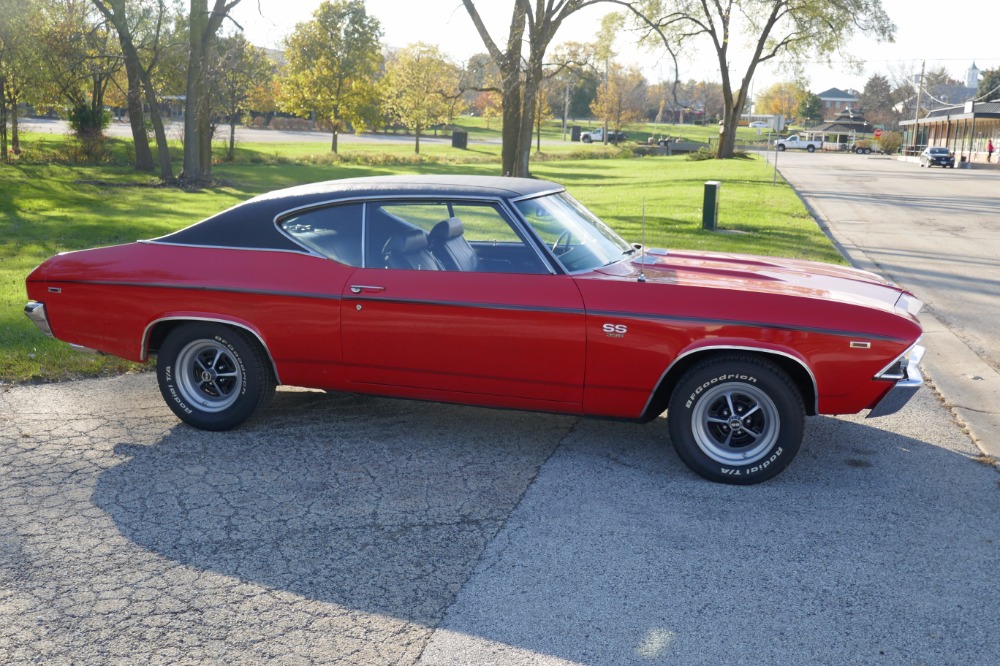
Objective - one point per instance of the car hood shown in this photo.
(767, 276)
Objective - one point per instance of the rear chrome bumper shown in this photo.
(35, 311)
(906, 372)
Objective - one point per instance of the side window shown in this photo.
(334, 231)
(446, 236)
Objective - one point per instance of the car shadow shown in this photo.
(376, 504)
(393, 507)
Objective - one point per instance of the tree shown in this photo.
(773, 28)
(489, 105)
(520, 75)
(332, 63)
(18, 61)
(141, 27)
(417, 87)
(235, 75)
(878, 102)
(202, 30)
(574, 78)
(810, 107)
(79, 56)
(989, 85)
(621, 98)
(781, 99)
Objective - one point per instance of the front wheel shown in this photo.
(736, 419)
(212, 376)
(587, 139)
(781, 148)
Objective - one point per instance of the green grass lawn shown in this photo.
(50, 208)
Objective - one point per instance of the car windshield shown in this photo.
(576, 236)
(938, 151)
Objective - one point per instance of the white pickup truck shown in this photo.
(597, 136)
(798, 142)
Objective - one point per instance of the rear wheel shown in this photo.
(736, 419)
(811, 149)
(212, 376)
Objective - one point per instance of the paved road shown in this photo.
(937, 232)
(338, 529)
(175, 130)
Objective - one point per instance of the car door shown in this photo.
(509, 327)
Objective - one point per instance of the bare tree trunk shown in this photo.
(162, 149)
(510, 128)
(137, 120)
(197, 130)
(3, 120)
(195, 83)
(114, 12)
(15, 134)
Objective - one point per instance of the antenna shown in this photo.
(642, 248)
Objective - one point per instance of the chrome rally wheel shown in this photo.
(209, 375)
(213, 376)
(735, 424)
(736, 418)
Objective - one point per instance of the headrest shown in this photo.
(447, 229)
(410, 240)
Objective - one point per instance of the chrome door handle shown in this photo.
(358, 288)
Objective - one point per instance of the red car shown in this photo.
(489, 291)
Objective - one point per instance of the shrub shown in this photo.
(890, 142)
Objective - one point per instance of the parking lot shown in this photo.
(936, 232)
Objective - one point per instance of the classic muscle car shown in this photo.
(500, 292)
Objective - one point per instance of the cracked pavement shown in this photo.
(345, 529)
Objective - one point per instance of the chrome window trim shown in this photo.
(305, 250)
(364, 234)
(279, 223)
(144, 346)
(511, 215)
(762, 350)
(538, 240)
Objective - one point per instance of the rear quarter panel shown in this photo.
(108, 298)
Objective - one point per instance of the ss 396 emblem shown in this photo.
(615, 330)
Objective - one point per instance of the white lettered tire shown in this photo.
(212, 376)
(736, 419)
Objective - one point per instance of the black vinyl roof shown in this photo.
(251, 224)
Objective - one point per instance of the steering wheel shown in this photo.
(564, 236)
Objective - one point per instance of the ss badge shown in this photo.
(615, 330)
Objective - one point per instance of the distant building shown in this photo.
(972, 77)
(966, 129)
(836, 101)
(842, 131)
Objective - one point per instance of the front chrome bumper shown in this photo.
(906, 372)
(35, 311)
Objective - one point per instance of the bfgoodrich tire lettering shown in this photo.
(736, 419)
(212, 376)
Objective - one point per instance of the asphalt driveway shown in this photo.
(936, 232)
(353, 530)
